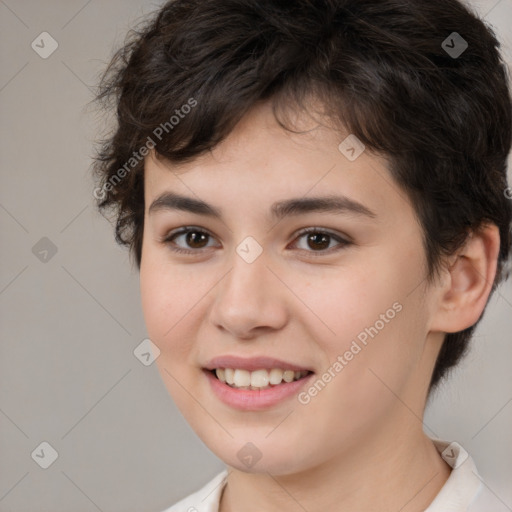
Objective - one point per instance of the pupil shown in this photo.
(319, 238)
(194, 236)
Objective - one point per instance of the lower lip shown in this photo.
(255, 400)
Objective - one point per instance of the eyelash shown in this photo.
(168, 240)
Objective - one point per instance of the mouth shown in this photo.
(256, 390)
(256, 383)
(257, 380)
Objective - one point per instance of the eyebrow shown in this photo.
(280, 209)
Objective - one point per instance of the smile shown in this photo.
(259, 379)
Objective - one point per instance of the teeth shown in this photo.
(242, 378)
(288, 376)
(259, 379)
(276, 376)
(230, 376)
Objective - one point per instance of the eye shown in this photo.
(197, 239)
(194, 237)
(320, 240)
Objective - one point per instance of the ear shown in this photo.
(467, 282)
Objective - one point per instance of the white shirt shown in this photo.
(462, 492)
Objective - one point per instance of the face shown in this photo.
(343, 307)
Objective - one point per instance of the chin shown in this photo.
(256, 452)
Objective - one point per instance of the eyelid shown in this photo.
(343, 240)
(183, 230)
(317, 229)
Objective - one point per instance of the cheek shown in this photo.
(155, 300)
(173, 303)
(372, 330)
(347, 303)
(164, 302)
(167, 292)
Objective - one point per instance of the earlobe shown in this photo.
(469, 281)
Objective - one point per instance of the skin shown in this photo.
(359, 443)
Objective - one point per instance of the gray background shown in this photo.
(69, 325)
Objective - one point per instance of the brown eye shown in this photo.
(196, 239)
(193, 240)
(319, 241)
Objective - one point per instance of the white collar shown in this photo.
(463, 484)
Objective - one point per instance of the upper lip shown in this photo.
(252, 363)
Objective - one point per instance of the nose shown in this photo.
(250, 300)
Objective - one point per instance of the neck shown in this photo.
(400, 472)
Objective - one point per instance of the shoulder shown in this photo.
(205, 499)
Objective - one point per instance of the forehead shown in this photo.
(260, 164)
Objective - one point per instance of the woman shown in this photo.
(315, 194)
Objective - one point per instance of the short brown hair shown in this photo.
(382, 68)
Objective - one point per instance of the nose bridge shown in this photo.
(246, 298)
(247, 280)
